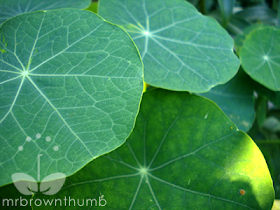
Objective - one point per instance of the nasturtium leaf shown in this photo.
(260, 57)
(236, 100)
(70, 88)
(239, 40)
(180, 48)
(184, 153)
(11, 8)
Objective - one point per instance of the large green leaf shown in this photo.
(70, 88)
(10, 8)
(260, 58)
(181, 49)
(236, 100)
(183, 153)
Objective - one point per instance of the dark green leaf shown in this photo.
(271, 152)
(226, 8)
(236, 100)
(259, 13)
(261, 107)
(273, 96)
(184, 153)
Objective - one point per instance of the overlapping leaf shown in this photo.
(184, 153)
(181, 49)
(260, 57)
(70, 88)
(11, 8)
(236, 100)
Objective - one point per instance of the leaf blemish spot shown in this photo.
(20, 148)
(242, 192)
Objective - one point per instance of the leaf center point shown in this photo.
(146, 33)
(25, 73)
(265, 57)
(143, 170)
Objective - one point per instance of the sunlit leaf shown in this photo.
(184, 153)
(181, 49)
(70, 88)
(11, 8)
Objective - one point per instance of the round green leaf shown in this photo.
(70, 88)
(183, 153)
(11, 8)
(239, 40)
(180, 48)
(260, 58)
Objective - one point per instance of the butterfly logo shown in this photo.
(27, 185)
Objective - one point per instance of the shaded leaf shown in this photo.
(261, 110)
(271, 152)
(235, 25)
(273, 96)
(259, 13)
(236, 100)
(226, 8)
